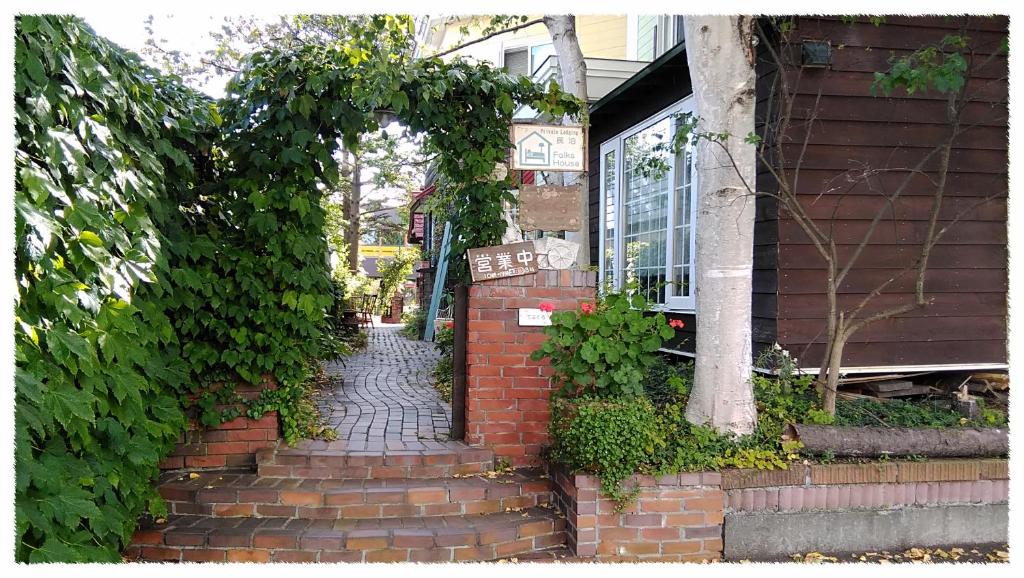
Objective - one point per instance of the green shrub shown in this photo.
(900, 413)
(610, 438)
(415, 322)
(666, 382)
(605, 348)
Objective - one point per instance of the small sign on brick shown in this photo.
(502, 261)
(529, 317)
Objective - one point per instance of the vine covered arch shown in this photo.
(170, 245)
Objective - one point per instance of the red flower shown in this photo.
(587, 308)
(676, 323)
(450, 325)
(546, 307)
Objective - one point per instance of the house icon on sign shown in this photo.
(534, 150)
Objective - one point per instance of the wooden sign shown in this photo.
(548, 147)
(549, 208)
(502, 261)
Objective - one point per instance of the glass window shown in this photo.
(608, 182)
(647, 210)
(538, 54)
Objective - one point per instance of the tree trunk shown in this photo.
(720, 54)
(354, 202)
(573, 76)
(871, 442)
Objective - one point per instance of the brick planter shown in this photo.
(231, 444)
(507, 392)
(675, 518)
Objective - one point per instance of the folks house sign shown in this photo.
(546, 147)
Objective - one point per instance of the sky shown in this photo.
(185, 31)
(189, 32)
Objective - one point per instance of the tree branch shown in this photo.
(489, 36)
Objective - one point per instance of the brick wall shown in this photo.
(680, 517)
(675, 518)
(506, 392)
(231, 444)
(872, 486)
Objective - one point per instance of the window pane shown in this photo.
(645, 208)
(681, 255)
(538, 54)
(609, 217)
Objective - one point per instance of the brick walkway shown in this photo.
(383, 394)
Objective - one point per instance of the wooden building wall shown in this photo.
(967, 276)
(966, 322)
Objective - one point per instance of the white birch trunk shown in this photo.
(573, 79)
(720, 54)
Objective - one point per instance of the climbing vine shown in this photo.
(103, 144)
(170, 245)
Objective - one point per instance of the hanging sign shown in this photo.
(548, 147)
(549, 208)
(502, 261)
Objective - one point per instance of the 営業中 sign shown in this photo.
(548, 147)
(502, 261)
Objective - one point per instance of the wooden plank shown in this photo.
(858, 59)
(888, 385)
(958, 304)
(891, 352)
(439, 280)
(900, 329)
(916, 390)
(883, 155)
(891, 35)
(860, 207)
(896, 134)
(460, 316)
(836, 182)
(807, 281)
(900, 233)
(792, 256)
(869, 109)
(859, 84)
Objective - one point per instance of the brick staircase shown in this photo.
(320, 502)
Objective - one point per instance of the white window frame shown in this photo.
(615, 144)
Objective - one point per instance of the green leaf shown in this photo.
(90, 238)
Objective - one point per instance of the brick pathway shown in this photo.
(383, 394)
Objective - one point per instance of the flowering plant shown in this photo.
(605, 347)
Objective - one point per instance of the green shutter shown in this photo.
(645, 44)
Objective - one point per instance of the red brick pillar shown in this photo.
(506, 392)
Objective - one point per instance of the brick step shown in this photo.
(225, 494)
(411, 539)
(345, 460)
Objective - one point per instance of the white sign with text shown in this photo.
(534, 318)
(548, 147)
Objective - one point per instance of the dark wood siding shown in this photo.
(967, 277)
(764, 299)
